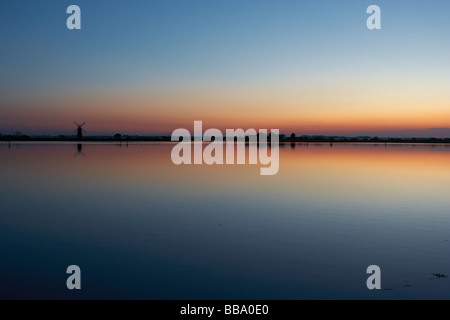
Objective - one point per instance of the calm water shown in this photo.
(141, 227)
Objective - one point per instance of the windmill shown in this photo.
(79, 130)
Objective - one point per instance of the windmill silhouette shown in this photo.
(80, 130)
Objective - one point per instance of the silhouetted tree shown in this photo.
(292, 135)
(117, 136)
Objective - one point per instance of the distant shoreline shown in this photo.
(283, 140)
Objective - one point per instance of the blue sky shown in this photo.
(177, 46)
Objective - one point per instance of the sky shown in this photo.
(150, 67)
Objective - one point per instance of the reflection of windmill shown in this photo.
(79, 150)
(79, 130)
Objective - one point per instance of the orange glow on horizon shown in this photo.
(161, 113)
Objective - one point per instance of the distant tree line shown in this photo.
(292, 138)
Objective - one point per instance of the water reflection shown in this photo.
(79, 152)
(141, 227)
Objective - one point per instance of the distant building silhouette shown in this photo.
(79, 130)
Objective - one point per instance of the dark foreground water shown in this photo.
(140, 227)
